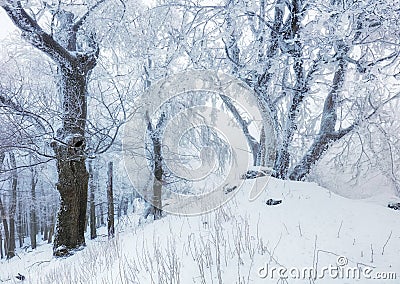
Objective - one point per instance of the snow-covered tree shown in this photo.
(58, 31)
(321, 70)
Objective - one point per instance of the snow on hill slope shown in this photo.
(312, 230)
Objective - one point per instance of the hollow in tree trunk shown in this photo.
(72, 186)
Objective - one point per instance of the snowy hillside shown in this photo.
(238, 243)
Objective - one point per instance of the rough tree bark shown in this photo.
(72, 174)
(74, 69)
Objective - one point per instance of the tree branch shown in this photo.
(35, 35)
(79, 23)
(5, 101)
(243, 123)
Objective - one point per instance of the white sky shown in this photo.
(6, 25)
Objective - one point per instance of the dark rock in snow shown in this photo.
(273, 202)
(20, 277)
(61, 251)
(253, 174)
(250, 174)
(228, 189)
(395, 206)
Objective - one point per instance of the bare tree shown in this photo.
(74, 65)
(300, 64)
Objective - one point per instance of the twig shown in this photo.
(338, 233)
(287, 231)
(383, 249)
(372, 254)
(301, 234)
(273, 251)
(315, 259)
(38, 263)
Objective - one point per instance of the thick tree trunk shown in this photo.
(72, 186)
(72, 174)
(321, 143)
(110, 201)
(316, 151)
(92, 208)
(71, 167)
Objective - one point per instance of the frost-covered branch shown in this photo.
(78, 24)
(35, 35)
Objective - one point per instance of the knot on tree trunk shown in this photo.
(71, 146)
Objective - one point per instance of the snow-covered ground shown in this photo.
(311, 230)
